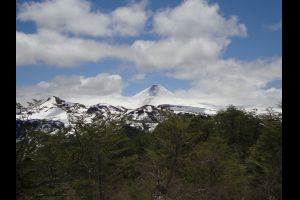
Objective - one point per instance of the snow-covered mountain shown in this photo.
(151, 108)
(54, 109)
(153, 95)
(49, 126)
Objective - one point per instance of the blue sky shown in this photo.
(259, 44)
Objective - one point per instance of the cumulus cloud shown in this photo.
(192, 31)
(172, 53)
(186, 29)
(231, 81)
(54, 48)
(73, 87)
(77, 17)
(196, 18)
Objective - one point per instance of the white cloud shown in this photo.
(188, 35)
(196, 18)
(275, 27)
(191, 32)
(220, 83)
(53, 48)
(138, 77)
(73, 88)
(77, 17)
(230, 81)
(173, 53)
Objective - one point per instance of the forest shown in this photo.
(233, 155)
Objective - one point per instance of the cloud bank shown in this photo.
(73, 87)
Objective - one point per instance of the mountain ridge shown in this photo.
(151, 105)
(145, 117)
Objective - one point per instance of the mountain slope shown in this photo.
(149, 110)
(154, 95)
(53, 108)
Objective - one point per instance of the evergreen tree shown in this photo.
(265, 160)
(239, 128)
(233, 155)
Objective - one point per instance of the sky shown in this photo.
(217, 51)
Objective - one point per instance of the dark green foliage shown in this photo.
(232, 155)
(42, 164)
(214, 169)
(201, 127)
(239, 128)
(265, 160)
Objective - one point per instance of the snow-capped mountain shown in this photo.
(150, 110)
(153, 95)
(53, 108)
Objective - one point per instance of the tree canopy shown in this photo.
(234, 154)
